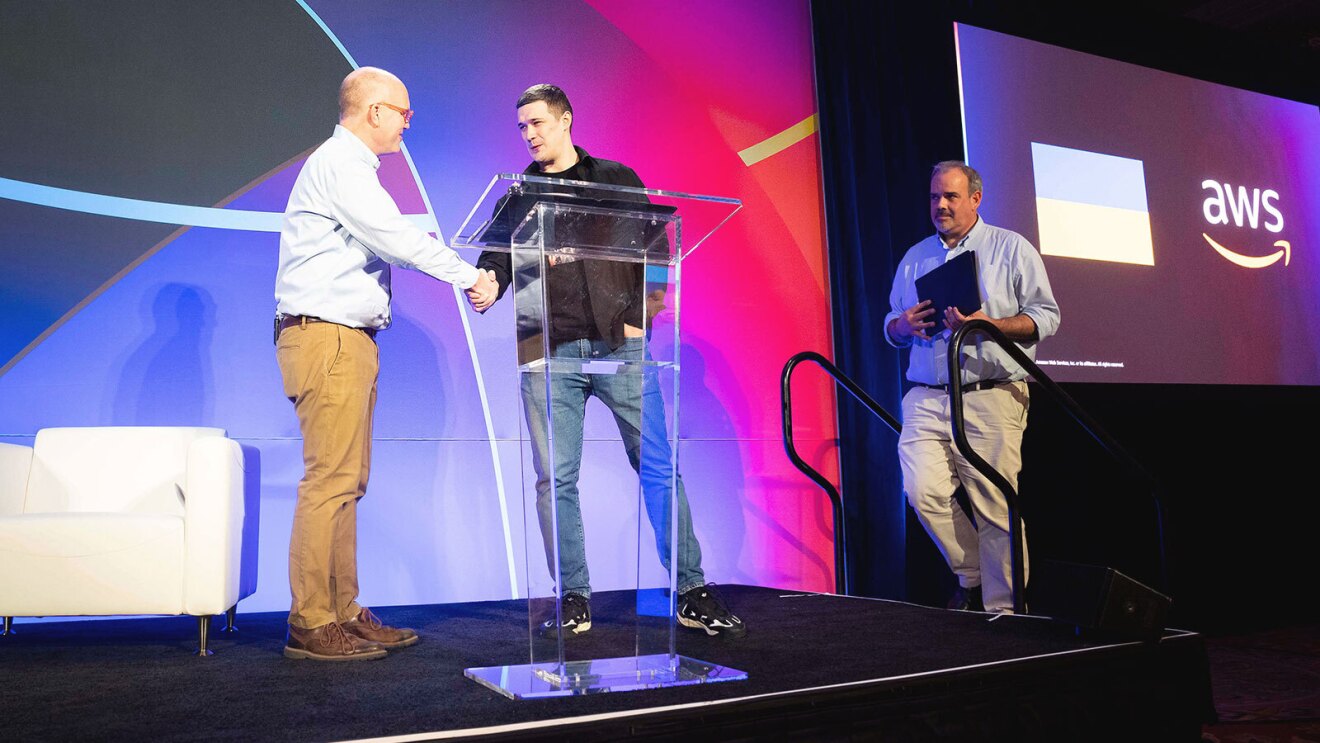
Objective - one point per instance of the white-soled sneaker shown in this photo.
(704, 609)
(574, 615)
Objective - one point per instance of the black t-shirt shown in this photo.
(571, 317)
(613, 289)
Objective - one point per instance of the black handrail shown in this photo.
(1089, 424)
(841, 578)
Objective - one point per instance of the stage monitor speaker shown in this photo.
(1099, 601)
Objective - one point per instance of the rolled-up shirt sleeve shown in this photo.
(895, 309)
(899, 295)
(1034, 291)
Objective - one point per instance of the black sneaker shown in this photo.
(702, 608)
(574, 615)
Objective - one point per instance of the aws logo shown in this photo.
(1254, 209)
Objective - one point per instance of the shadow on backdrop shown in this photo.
(168, 379)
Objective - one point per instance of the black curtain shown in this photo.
(887, 113)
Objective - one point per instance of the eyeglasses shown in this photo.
(406, 113)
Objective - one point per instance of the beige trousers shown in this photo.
(933, 469)
(329, 374)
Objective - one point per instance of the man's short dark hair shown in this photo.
(554, 96)
(973, 177)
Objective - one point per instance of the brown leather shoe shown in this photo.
(369, 627)
(329, 642)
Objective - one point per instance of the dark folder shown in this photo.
(953, 284)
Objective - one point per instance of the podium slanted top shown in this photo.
(597, 220)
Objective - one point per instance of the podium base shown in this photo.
(540, 680)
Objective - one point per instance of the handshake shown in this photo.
(483, 294)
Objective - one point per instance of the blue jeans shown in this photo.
(648, 453)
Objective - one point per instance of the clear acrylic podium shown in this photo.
(625, 247)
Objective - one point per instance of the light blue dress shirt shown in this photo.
(1012, 281)
(341, 232)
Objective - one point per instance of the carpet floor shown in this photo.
(137, 679)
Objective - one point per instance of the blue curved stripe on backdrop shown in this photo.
(156, 211)
(467, 335)
(328, 33)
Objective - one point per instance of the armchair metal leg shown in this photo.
(229, 619)
(203, 626)
(9, 626)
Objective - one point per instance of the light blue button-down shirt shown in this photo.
(1012, 281)
(341, 232)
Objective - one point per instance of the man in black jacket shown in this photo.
(598, 312)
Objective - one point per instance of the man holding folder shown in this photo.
(1017, 300)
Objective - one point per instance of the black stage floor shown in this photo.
(820, 667)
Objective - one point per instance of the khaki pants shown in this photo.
(329, 374)
(933, 469)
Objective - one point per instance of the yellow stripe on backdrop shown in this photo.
(1097, 233)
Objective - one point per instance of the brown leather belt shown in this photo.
(289, 321)
(969, 387)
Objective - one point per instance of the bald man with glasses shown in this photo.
(340, 235)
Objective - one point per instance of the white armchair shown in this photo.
(137, 520)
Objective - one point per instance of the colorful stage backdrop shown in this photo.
(140, 184)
